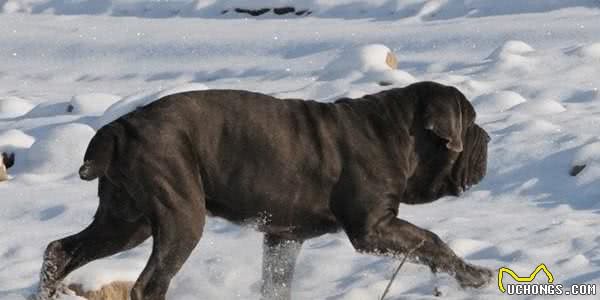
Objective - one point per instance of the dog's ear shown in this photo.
(8, 159)
(443, 116)
(448, 114)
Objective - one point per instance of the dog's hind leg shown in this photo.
(105, 236)
(279, 261)
(176, 229)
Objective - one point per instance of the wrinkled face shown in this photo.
(450, 173)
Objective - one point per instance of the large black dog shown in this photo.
(299, 169)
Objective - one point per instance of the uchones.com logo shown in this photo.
(525, 286)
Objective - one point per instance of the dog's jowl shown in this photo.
(304, 168)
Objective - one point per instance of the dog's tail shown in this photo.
(88, 171)
(99, 153)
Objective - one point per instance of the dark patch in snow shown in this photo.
(575, 170)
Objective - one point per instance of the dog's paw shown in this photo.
(51, 273)
(471, 276)
(51, 293)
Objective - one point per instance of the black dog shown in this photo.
(299, 168)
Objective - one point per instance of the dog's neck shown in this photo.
(389, 108)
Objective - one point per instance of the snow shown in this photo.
(530, 68)
(511, 48)
(364, 59)
(366, 64)
(497, 101)
(588, 156)
(13, 139)
(592, 51)
(92, 104)
(48, 109)
(543, 106)
(514, 57)
(14, 107)
(97, 273)
(57, 150)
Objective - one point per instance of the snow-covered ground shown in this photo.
(531, 69)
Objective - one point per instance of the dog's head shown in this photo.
(451, 150)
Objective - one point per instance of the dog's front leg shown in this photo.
(279, 260)
(388, 235)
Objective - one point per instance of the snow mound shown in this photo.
(132, 102)
(59, 150)
(587, 154)
(11, 107)
(576, 262)
(497, 102)
(429, 9)
(511, 48)
(92, 104)
(592, 50)
(513, 56)
(587, 160)
(12, 6)
(48, 109)
(13, 139)
(368, 63)
(368, 58)
(539, 107)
